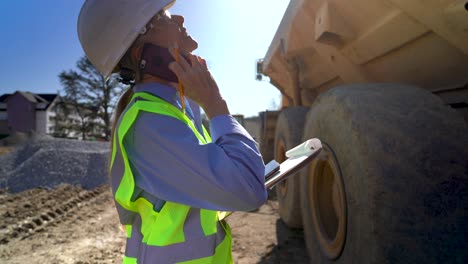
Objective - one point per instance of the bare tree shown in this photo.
(91, 96)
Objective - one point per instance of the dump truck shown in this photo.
(384, 85)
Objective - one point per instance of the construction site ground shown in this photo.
(67, 224)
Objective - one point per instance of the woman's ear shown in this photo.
(136, 53)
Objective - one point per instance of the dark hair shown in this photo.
(130, 74)
(119, 108)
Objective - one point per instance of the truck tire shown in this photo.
(267, 134)
(392, 183)
(289, 128)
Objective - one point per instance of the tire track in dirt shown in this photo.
(19, 206)
(26, 224)
(88, 231)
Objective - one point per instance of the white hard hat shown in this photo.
(107, 28)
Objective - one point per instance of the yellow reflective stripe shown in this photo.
(114, 150)
(170, 107)
(125, 190)
(222, 215)
(170, 226)
(207, 260)
(168, 110)
(170, 222)
(148, 215)
(207, 135)
(222, 255)
(208, 221)
(127, 260)
(128, 228)
(173, 110)
(208, 218)
(175, 215)
(181, 116)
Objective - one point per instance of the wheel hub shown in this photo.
(328, 200)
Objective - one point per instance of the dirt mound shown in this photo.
(46, 162)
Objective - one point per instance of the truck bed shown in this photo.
(324, 43)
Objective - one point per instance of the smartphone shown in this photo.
(271, 168)
(155, 61)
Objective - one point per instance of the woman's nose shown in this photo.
(178, 19)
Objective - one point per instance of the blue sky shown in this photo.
(38, 40)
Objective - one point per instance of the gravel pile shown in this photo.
(47, 162)
(18, 138)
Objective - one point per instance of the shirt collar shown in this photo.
(165, 92)
(170, 95)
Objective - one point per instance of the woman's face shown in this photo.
(169, 31)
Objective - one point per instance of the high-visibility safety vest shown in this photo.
(177, 233)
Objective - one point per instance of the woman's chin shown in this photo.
(192, 44)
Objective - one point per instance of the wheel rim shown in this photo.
(328, 201)
(280, 156)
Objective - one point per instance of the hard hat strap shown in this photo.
(127, 76)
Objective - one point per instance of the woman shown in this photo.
(170, 178)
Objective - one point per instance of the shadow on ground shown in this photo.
(291, 247)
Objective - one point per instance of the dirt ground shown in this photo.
(71, 225)
(5, 150)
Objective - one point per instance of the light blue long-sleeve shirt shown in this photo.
(169, 164)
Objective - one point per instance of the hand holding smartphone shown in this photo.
(197, 80)
(155, 61)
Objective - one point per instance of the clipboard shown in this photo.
(298, 157)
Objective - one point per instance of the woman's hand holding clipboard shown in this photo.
(298, 158)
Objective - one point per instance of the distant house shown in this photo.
(3, 116)
(27, 112)
(44, 114)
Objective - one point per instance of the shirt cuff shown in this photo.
(224, 125)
